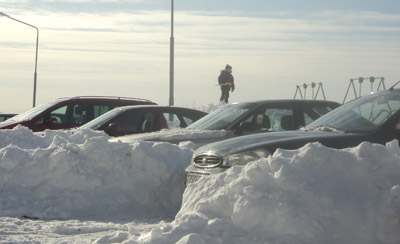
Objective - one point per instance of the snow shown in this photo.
(81, 174)
(176, 134)
(79, 187)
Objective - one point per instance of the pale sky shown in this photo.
(121, 48)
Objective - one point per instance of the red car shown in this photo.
(66, 113)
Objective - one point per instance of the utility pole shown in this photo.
(36, 58)
(171, 59)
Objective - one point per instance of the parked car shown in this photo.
(4, 117)
(244, 118)
(141, 119)
(374, 118)
(68, 113)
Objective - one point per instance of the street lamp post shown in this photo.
(36, 57)
(171, 59)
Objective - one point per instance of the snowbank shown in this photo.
(100, 192)
(79, 174)
(311, 195)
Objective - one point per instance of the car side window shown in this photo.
(314, 112)
(377, 113)
(99, 109)
(271, 119)
(257, 122)
(127, 122)
(187, 120)
(148, 123)
(173, 120)
(79, 114)
(307, 119)
(280, 119)
(60, 115)
(57, 116)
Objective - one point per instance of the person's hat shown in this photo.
(228, 66)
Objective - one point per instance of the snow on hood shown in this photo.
(78, 173)
(311, 195)
(177, 134)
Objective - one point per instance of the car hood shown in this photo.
(174, 135)
(286, 140)
(9, 124)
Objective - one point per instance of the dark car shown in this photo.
(242, 119)
(141, 119)
(4, 117)
(66, 113)
(373, 118)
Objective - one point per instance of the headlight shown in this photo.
(244, 157)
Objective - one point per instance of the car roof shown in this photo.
(152, 106)
(103, 98)
(288, 101)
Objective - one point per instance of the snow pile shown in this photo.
(86, 189)
(311, 195)
(70, 174)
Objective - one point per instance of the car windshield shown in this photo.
(102, 119)
(222, 117)
(28, 115)
(364, 114)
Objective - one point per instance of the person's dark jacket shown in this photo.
(226, 81)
